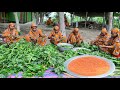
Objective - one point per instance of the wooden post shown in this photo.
(77, 22)
(40, 17)
(21, 17)
(62, 24)
(4, 17)
(72, 19)
(110, 21)
(107, 20)
(37, 17)
(31, 16)
(26, 17)
(86, 19)
(113, 21)
(118, 22)
(43, 18)
(0, 16)
(17, 21)
(104, 18)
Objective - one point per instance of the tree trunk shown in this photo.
(110, 21)
(17, 21)
(62, 24)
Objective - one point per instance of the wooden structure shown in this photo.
(107, 17)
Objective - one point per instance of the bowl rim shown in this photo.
(59, 44)
(112, 67)
(77, 48)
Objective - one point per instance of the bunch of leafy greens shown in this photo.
(31, 59)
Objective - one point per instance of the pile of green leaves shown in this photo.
(58, 61)
(21, 56)
(31, 59)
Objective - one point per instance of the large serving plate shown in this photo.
(111, 70)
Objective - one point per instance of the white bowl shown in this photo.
(62, 48)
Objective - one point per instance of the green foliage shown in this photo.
(33, 60)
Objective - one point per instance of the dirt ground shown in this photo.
(87, 34)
